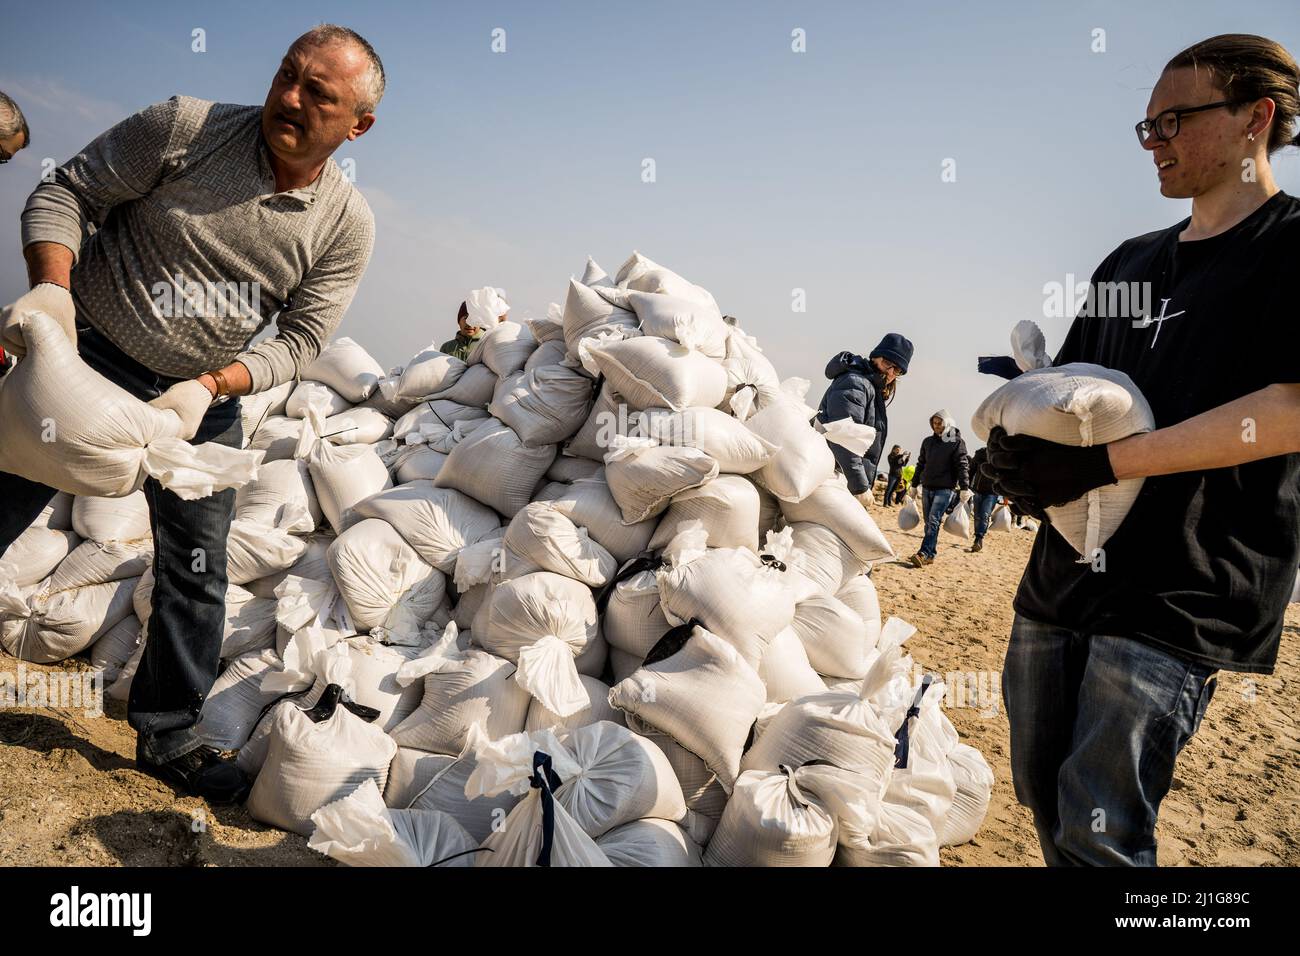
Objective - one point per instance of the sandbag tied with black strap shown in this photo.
(902, 735)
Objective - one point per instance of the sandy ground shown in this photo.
(70, 795)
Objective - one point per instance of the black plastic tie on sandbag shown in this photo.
(546, 780)
(771, 561)
(457, 856)
(441, 420)
(903, 737)
(596, 386)
(330, 701)
(672, 642)
(644, 561)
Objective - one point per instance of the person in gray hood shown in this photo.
(941, 467)
(860, 390)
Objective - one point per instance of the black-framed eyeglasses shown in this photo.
(1166, 124)
(4, 156)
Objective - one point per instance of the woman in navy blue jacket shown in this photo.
(860, 390)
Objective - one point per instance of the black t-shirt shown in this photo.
(1204, 563)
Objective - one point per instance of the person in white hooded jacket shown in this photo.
(943, 471)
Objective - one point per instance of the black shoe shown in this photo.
(200, 773)
(978, 545)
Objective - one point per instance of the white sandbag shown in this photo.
(256, 408)
(314, 395)
(902, 837)
(504, 348)
(384, 396)
(43, 627)
(281, 496)
(419, 463)
(425, 781)
(435, 416)
(732, 592)
(923, 777)
(387, 586)
(35, 553)
(649, 843)
(342, 474)
(347, 368)
(597, 710)
(970, 803)
(309, 765)
(1079, 405)
(249, 623)
(703, 695)
(608, 775)
(671, 317)
(909, 516)
(958, 523)
(541, 538)
(494, 467)
(1295, 593)
(643, 475)
(727, 507)
(461, 687)
(785, 669)
(473, 389)
(594, 275)
(1000, 520)
(255, 550)
(94, 563)
(752, 382)
(360, 831)
(114, 648)
(589, 311)
(633, 621)
(859, 593)
(549, 351)
(427, 373)
(120, 689)
(847, 433)
(111, 519)
(609, 416)
(771, 821)
(821, 555)
(737, 450)
(543, 405)
(358, 426)
(589, 504)
(802, 461)
(277, 437)
(701, 789)
(641, 274)
(437, 522)
(236, 701)
(841, 729)
(520, 841)
(837, 640)
(68, 427)
(832, 506)
(57, 515)
(651, 372)
(567, 468)
(542, 622)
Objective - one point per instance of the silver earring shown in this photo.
(1250, 136)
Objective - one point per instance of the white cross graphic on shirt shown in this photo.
(1160, 319)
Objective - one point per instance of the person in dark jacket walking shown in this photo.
(860, 390)
(985, 498)
(897, 459)
(941, 467)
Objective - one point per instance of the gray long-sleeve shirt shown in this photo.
(193, 250)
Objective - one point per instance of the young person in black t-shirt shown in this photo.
(1111, 663)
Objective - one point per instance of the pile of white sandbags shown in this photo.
(595, 595)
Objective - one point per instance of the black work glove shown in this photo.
(1043, 473)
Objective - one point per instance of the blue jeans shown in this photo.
(894, 479)
(1096, 725)
(983, 511)
(934, 504)
(183, 649)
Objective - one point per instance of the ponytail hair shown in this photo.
(1248, 68)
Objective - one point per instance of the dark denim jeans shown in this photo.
(934, 506)
(182, 652)
(1096, 725)
(895, 479)
(984, 505)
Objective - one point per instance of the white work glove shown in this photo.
(913, 492)
(48, 297)
(867, 498)
(964, 495)
(190, 400)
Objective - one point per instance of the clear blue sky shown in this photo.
(775, 170)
